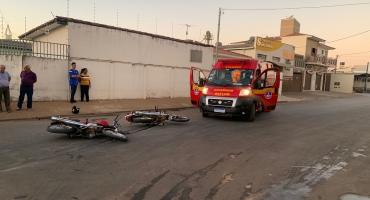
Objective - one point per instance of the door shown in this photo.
(197, 81)
(327, 82)
(307, 81)
(266, 88)
(297, 83)
(318, 82)
(287, 84)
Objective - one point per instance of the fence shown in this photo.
(34, 48)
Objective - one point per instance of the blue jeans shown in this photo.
(25, 90)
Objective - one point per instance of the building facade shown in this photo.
(281, 54)
(123, 63)
(314, 51)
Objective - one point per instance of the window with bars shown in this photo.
(261, 57)
(196, 56)
(275, 59)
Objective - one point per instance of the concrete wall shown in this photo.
(120, 46)
(58, 35)
(346, 83)
(52, 75)
(311, 44)
(298, 41)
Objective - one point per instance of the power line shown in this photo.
(355, 53)
(349, 36)
(296, 8)
(339, 39)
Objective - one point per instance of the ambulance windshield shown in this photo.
(230, 77)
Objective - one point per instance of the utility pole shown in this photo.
(218, 32)
(2, 27)
(336, 63)
(367, 69)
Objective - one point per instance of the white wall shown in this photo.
(345, 81)
(58, 35)
(121, 46)
(52, 77)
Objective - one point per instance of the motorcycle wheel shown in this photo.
(115, 135)
(179, 119)
(143, 120)
(61, 128)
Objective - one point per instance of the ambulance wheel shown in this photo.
(252, 113)
(204, 114)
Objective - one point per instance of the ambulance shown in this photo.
(236, 87)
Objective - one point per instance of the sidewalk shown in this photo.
(44, 110)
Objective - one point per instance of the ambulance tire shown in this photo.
(252, 113)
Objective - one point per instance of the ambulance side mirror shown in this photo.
(258, 84)
(202, 82)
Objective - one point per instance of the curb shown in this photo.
(91, 114)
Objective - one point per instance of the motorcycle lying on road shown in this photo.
(86, 129)
(155, 117)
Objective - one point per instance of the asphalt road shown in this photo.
(303, 150)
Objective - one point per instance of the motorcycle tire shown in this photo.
(180, 119)
(61, 128)
(115, 135)
(143, 120)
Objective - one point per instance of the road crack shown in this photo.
(141, 194)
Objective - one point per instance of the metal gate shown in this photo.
(326, 83)
(297, 83)
(307, 81)
(318, 82)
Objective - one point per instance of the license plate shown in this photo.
(219, 110)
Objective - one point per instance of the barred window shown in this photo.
(261, 57)
(275, 59)
(196, 56)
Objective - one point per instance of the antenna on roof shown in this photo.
(94, 12)
(52, 14)
(117, 17)
(67, 8)
(25, 24)
(138, 22)
(187, 26)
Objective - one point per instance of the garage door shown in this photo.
(307, 81)
(326, 85)
(318, 82)
(287, 84)
(297, 83)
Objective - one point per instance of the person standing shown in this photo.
(73, 81)
(28, 78)
(85, 84)
(4, 88)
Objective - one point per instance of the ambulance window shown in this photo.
(195, 75)
(270, 78)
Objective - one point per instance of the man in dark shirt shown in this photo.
(28, 78)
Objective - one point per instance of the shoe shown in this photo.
(9, 111)
(18, 109)
(29, 108)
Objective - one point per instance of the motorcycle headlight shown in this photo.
(245, 92)
(205, 90)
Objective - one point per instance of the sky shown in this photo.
(168, 18)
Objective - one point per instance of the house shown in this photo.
(314, 51)
(124, 63)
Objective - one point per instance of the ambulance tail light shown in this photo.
(245, 92)
(205, 90)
